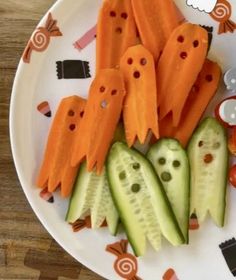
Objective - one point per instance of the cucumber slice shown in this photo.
(208, 157)
(171, 164)
(140, 198)
(92, 194)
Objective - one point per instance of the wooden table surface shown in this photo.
(27, 251)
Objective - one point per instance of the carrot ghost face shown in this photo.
(56, 169)
(182, 60)
(140, 109)
(116, 31)
(101, 117)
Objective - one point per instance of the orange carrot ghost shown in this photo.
(116, 31)
(101, 116)
(222, 13)
(56, 170)
(140, 106)
(126, 265)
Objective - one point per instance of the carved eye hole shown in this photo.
(114, 92)
(124, 15)
(180, 39)
(102, 89)
(130, 61)
(112, 13)
(196, 43)
(143, 61)
(71, 113)
(209, 78)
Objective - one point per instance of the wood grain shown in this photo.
(27, 251)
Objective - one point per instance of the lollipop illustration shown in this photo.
(202, 5)
(222, 14)
(41, 38)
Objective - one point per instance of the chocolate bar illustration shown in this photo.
(73, 69)
(228, 249)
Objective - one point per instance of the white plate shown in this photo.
(36, 82)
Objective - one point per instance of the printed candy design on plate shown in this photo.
(230, 79)
(41, 38)
(193, 222)
(228, 249)
(170, 275)
(202, 5)
(73, 69)
(86, 39)
(44, 108)
(222, 13)
(226, 111)
(84, 223)
(125, 265)
(46, 195)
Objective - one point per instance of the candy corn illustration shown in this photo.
(46, 195)
(44, 108)
(222, 13)
(170, 275)
(193, 222)
(125, 265)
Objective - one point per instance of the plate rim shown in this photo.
(16, 160)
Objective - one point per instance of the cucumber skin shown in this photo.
(122, 218)
(212, 122)
(113, 233)
(152, 150)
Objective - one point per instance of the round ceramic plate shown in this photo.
(59, 61)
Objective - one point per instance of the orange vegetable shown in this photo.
(56, 169)
(155, 20)
(201, 94)
(116, 31)
(140, 109)
(102, 114)
(178, 68)
(166, 127)
(232, 142)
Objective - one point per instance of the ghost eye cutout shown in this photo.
(143, 61)
(195, 43)
(180, 39)
(102, 89)
(71, 113)
(130, 61)
(124, 15)
(112, 13)
(114, 92)
(209, 78)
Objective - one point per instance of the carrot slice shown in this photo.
(56, 169)
(166, 127)
(102, 114)
(178, 68)
(155, 21)
(116, 31)
(201, 94)
(140, 109)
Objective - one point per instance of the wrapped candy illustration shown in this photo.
(230, 79)
(222, 13)
(202, 5)
(41, 38)
(126, 265)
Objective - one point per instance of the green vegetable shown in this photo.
(171, 164)
(208, 157)
(141, 201)
(92, 194)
